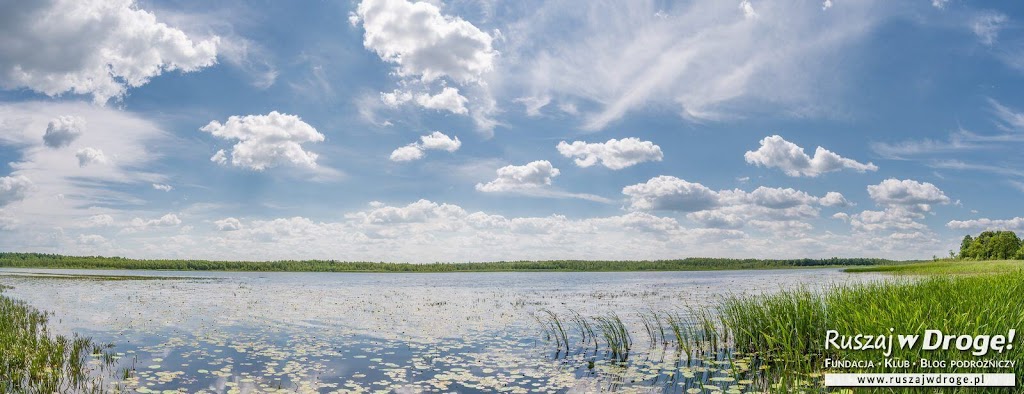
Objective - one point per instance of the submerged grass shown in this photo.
(782, 335)
(34, 361)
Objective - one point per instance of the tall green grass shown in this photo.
(793, 324)
(784, 333)
(34, 361)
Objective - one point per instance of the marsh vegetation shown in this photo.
(38, 260)
(33, 360)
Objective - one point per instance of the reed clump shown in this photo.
(34, 361)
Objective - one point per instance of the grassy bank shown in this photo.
(945, 267)
(35, 260)
(776, 342)
(791, 326)
(34, 361)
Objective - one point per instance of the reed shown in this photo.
(32, 360)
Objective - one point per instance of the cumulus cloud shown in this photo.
(407, 153)
(95, 47)
(614, 154)
(835, 199)
(668, 193)
(163, 187)
(1014, 224)
(892, 219)
(14, 188)
(907, 194)
(88, 156)
(790, 158)
(449, 100)
(266, 141)
(168, 220)
(62, 131)
(730, 209)
(439, 141)
(91, 239)
(228, 224)
(424, 43)
(433, 141)
(512, 178)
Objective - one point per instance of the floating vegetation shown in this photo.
(33, 360)
(340, 333)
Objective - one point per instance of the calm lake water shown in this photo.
(221, 332)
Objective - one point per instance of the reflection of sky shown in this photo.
(327, 328)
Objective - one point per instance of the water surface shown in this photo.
(228, 332)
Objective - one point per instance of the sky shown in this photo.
(479, 130)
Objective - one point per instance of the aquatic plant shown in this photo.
(32, 360)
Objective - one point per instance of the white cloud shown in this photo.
(68, 192)
(96, 47)
(228, 224)
(424, 43)
(62, 131)
(614, 154)
(14, 188)
(892, 219)
(1014, 224)
(449, 100)
(396, 97)
(221, 157)
(439, 141)
(433, 141)
(748, 9)
(908, 194)
(707, 58)
(730, 209)
(512, 178)
(87, 156)
(266, 141)
(986, 26)
(102, 220)
(91, 239)
(407, 153)
(1008, 118)
(779, 198)
(168, 220)
(940, 4)
(669, 193)
(835, 199)
(791, 159)
(163, 187)
(534, 104)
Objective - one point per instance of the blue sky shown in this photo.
(388, 130)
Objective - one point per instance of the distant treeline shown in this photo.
(38, 260)
(992, 245)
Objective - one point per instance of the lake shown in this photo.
(243, 332)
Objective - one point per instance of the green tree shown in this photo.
(965, 245)
(1003, 245)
